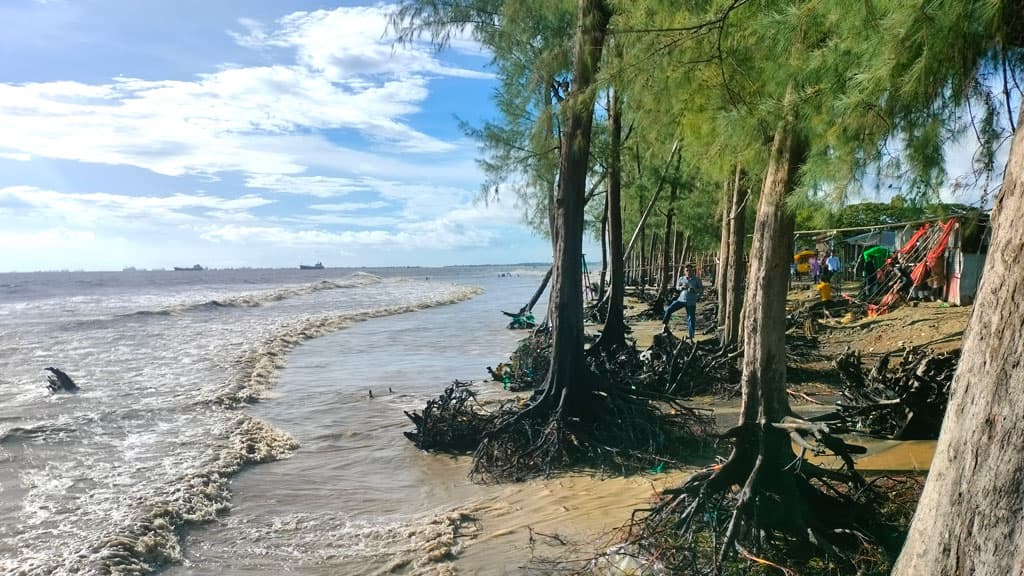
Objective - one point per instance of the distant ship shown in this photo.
(317, 266)
(195, 267)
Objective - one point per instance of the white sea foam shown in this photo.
(105, 480)
(108, 477)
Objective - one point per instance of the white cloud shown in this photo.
(348, 206)
(330, 116)
(319, 186)
(19, 156)
(47, 239)
(348, 44)
(434, 235)
(351, 220)
(200, 218)
(204, 126)
(95, 209)
(345, 75)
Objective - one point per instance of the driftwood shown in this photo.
(58, 381)
(902, 400)
(451, 422)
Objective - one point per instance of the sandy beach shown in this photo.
(571, 518)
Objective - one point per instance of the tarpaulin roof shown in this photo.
(885, 238)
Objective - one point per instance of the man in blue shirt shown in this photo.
(690, 291)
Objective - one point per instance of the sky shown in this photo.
(235, 133)
(248, 133)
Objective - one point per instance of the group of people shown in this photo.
(825, 269)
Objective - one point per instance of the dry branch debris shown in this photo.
(903, 398)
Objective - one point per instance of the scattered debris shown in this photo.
(901, 400)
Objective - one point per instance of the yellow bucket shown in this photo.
(825, 290)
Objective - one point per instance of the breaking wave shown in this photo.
(39, 432)
(150, 535)
(256, 299)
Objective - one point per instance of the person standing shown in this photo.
(815, 268)
(833, 266)
(690, 291)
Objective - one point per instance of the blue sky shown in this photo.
(239, 133)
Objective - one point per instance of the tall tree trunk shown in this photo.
(567, 383)
(764, 358)
(654, 200)
(652, 261)
(684, 254)
(643, 259)
(667, 264)
(602, 281)
(614, 333)
(736, 274)
(723, 257)
(677, 255)
(968, 520)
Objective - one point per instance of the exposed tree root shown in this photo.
(452, 422)
(765, 506)
(623, 429)
(527, 368)
(675, 366)
(903, 400)
(679, 367)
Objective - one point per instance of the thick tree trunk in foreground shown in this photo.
(764, 356)
(567, 383)
(969, 518)
(614, 333)
(736, 274)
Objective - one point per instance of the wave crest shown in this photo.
(256, 299)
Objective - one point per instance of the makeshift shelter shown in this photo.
(883, 238)
(942, 261)
(968, 247)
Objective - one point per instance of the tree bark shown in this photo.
(764, 358)
(614, 333)
(667, 263)
(968, 520)
(723, 257)
(652, 262)
(677, 255)
(536, 295)
(602, 280)
(567, 383)
(736, 274)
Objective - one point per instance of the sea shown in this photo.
(250, 422)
